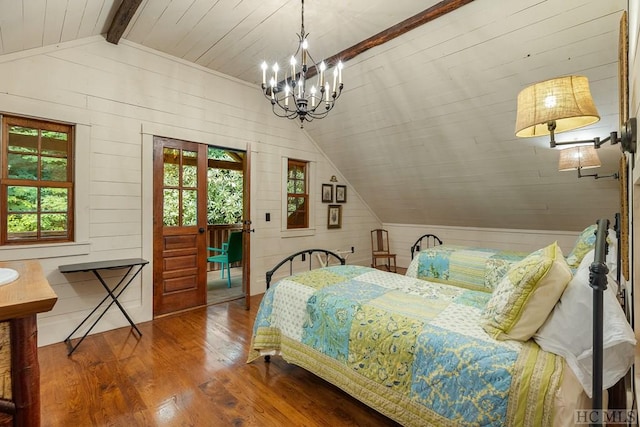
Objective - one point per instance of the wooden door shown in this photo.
(179, 225)
(246, 227)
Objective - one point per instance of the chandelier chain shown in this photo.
(302, 18)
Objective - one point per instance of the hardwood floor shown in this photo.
(188, 369)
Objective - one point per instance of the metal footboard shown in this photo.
(303, 254)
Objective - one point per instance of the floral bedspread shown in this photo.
(411, 349)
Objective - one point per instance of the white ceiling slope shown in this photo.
(424, 130)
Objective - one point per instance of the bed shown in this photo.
(436, 353)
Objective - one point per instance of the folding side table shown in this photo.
(95, 267)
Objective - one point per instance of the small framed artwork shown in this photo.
(335, 216)
(327, 193)
(341, 193)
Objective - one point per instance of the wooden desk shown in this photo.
(20, 302)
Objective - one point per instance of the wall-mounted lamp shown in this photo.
(581, 157)
(563, 104)
(333, 178)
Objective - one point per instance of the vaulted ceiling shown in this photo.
(424, 130)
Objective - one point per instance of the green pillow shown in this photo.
(585, 242)
(526, 295)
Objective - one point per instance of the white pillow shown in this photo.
(568, 331)
(612, 255)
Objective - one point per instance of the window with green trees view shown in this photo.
(297, 194)
(37, 181)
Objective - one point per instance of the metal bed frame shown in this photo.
(597, 281)
(303, 254)
(430, 240)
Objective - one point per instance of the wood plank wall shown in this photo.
(120, 94)
(117, 95)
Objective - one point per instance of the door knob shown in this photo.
(201, 230)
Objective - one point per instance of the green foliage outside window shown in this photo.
(40, 156)
(224, 192)
(224, 201)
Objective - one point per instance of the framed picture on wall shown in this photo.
(341, 193)
(335, 216)
(327, 193)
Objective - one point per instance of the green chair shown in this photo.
(231, 252)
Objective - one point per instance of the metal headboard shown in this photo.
(431, 240)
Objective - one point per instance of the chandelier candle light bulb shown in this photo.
(264, 72)
(326, 91)
(305, 46)
(323, 67)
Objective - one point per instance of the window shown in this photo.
(36, 186)
(297, 194)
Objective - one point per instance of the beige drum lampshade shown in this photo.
(581, 157)
(566, 100)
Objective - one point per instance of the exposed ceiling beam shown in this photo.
(427, 15)
(121, 19)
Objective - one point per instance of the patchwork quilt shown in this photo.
(469, 267)
(411, 349)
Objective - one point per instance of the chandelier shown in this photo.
(294, 97)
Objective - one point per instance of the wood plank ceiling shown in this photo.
(424, 131)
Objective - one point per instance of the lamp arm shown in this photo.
(596, 176)
(551, 126)
(613, 137)
(628, 137)
(613, 175)
(595, 141)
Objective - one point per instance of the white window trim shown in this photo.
(81, 245)
(298, 232)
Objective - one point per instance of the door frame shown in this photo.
(247, 228)
(149, 130)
